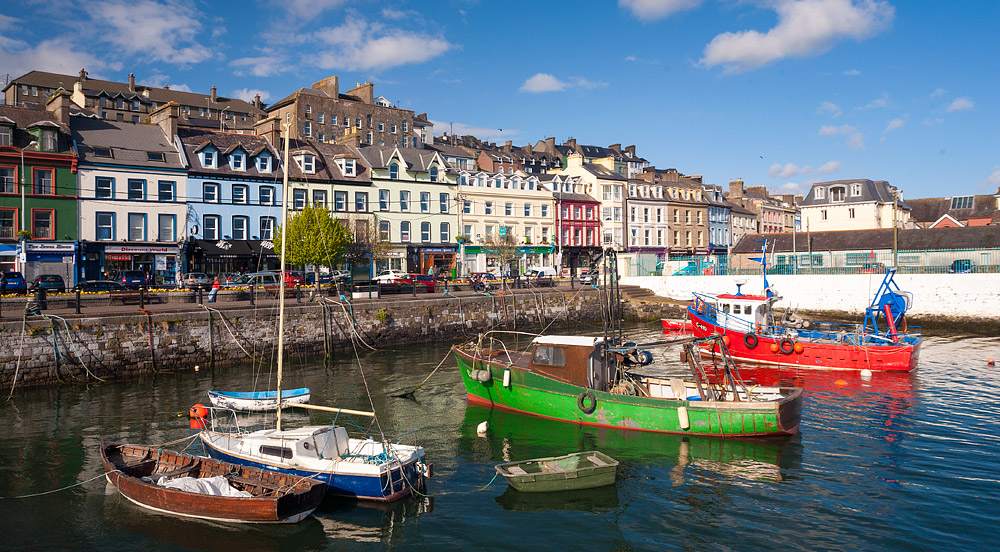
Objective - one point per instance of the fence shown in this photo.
(924, 261)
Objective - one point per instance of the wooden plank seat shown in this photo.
(597, 461)
(256, 482)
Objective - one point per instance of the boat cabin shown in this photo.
(577, 360)
(754, 310)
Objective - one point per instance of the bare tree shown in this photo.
(366, 246)
(503, 246)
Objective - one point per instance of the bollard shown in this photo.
(251, 295)
(78, 301)
(40, 296)
(142, 297)
(199, 296)
(413, 287)
(298, 293)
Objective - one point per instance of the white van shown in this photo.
(543, 271)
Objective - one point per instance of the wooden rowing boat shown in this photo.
(580, 470)
(241, 494)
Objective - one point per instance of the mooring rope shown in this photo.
(105, 474)
(20, 351)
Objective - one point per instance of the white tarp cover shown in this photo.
(215, 486)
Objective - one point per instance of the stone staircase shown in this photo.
(638, 293)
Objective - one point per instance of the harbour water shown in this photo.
(897, 462)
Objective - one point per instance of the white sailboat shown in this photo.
(363, 468)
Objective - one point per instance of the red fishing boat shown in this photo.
(883, 342)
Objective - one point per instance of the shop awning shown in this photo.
(224, 248)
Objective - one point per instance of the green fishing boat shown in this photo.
(580, 470)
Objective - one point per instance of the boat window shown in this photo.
(748, 309)
(725, 307)
(736, 308)
(549, 356)
(276, 451)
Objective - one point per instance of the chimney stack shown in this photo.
(256, 101)
(214, 97)
(58, 104)
(131, 82)
(166, 118)
(83, 74)
(630, 150)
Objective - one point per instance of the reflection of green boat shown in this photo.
(586, 500)
(580, 470)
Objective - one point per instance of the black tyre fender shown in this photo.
(786, 346)
(582, 400)
(750, 340)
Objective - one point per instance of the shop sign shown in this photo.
(267, 244)
(140, 249)
(50, 247)
(226, 246)
(439, 250)
(395, 254)
(161, 262)
(117, 257)
(69, 259)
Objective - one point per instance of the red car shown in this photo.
(423, 280)
(294, 278)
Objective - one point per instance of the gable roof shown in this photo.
(326, 166)
(195, 140)
(129, 143)
(24, 118)
(928, 210)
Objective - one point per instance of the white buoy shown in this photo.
(506, 377)
(195, 367)
(682, 417)
(866, 374)
(481, 428)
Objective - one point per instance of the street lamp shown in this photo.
(32, 143)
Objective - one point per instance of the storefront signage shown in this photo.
(140, 249)
(439, 250)
(50, 247)
(224, 245)
(266, 244)
(117, 257)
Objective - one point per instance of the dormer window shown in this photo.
(306, 162)
(48, 140)
(264, 163)
(434, 174)
(348, 166)
(819, 193)
(102, 152)
(6, 134)
(237, 161)
(208, 159)
(153, 156)
(394, 171)
(855, 190)
(837, 194)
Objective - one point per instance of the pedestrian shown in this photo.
(215, 290)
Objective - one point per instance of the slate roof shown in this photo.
(326, 162)
(454, 151)
(863, 240)
(129, 143)
(24, 118)
(928, 210)
(93, 87)
(416, 159)
(871, 190)
(196, 139)
(601, 172)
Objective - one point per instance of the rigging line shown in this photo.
(20, 351)
(105, 474)
(364, 380)
(225, 323)
(72, 345)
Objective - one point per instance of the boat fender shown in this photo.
(506, 377)
(682, 417)
(774, 347)
(786, 346)
(799, 347)
(482, 376)
(902, 327)
(750, 340)
(581, 402)
(645, 358)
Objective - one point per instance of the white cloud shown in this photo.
(180, 87)
(247, 94)
(462, 129)
(805, 27)
(307, 9)
(831, 108)
(852, 73)
(359, 46)
(883, 101)
(59, 55)
(163, 31)
(827, 130)
(544, 82)
(261, 66)
(390, 13)
(933, 122)
(894, 124)
(960, 104)
(856, 141)
(789, 170)
(991, 182)
(651, 10)
(938, 92)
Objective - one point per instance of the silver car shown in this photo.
(196, 280)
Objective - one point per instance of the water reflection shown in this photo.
(587, 500)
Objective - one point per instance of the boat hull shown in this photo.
(815, 355)
(384, 486)
(290, 507)
(537, 395)
(261, 401)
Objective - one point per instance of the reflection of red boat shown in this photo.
(676, 325)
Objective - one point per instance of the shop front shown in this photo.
(441, 259)
(394, 260)
(222, 256)
(477, 258)
(58, 258)
(263, 256)
(106, 261)
(8, 257)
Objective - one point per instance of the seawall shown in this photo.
(87, 349)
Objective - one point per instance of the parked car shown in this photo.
(132, 279)
(98, 286)
(52, 283)
(535, 278)
(12, 282)
(263, 280)
(393, 277)
(294, 278)
(342, 276)
(233, 280)
(542, 271)
(424, 280)
(873, 268)
(962, 266)
(590, 277)
(196, 280)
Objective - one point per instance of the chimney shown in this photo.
(630, 150)
(508, 146)
(83, 74)
(616, 147)
(329, 86)
(550, 144)
(736, 188)
(214, 97)
(165, 117)
(571, 143)
(351, 137)
(574, 160)
(270, 128)
(58, 104)
(131, 82)
(256, 101)
(363, 92)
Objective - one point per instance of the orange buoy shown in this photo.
(840, 383)
(725, 339)
(198, 411)
(799, 348)
(990, 362)
(774, 347)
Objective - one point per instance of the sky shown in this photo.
(780, 93)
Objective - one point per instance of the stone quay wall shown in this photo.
(49, 351)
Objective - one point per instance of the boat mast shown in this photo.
(281, 284)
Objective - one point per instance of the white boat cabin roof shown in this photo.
(575, 340)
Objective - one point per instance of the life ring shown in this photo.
(902, 325)
(786, 346)
(582, 399)
(750, 340)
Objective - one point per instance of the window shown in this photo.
(100, 152)
(8, 219)
(404, 126)
(425, 202)
(210, 227)
(307, 163)
(298, 199)
(240, 194)
(404, 200)
(319, 118)
(42, 224)
(264, 163)
(527, 209)
(855, 190)
(371, 138)
(394, 171)
(105, 226)
(236, 161)
(340, 201)
(240, 225)
(348, 167)
(425, 231)
(443, 202)
(961, 202)
(819, 193)
(508, 209)
(545, 211)
(267, 228)
(361, 202)
(445, 232)
(489, 208)
(467, 207)
(822, 215)
(577, 213)
(467, 230)
(383, 230)
(166, 228)
(210, 192)
(308, 129)
(42, 181)
(319, 198)
(155, 156)
(392, 128)
(687, 216)
(357, 122)
(208, 158)
(837, 194)
(137, 227)
(105, 187)
(548, 355)
(48, 140)
(309, 110)
(165, 190)
(265, 195)
(383, 200)
(404, 231)
(381, 127)
(434, 170)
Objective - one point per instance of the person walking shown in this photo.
(215, 290)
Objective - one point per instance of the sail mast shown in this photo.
(281, 285)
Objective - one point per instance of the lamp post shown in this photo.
(32, 143)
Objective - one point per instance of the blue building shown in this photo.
(720, 233)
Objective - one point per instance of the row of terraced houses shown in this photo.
(100, 176)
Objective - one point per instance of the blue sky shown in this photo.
(780, 93)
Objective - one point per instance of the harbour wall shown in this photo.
(946, 299)
(50, 351)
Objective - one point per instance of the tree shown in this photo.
(502, 246)
(314, 238)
